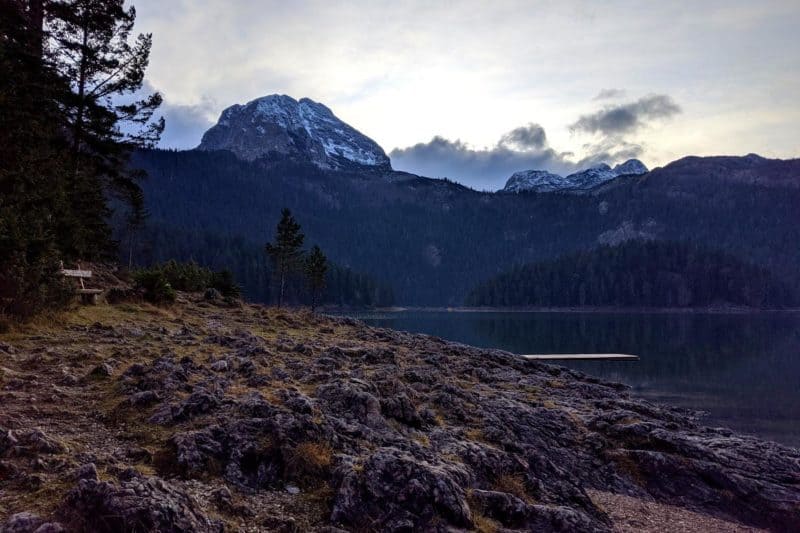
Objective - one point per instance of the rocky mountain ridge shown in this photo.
(577, 182)
(280, 126)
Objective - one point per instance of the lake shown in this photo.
(742, 370)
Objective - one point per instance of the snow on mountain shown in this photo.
(279, 125)
(538, 180)
(543, 181)
(591, 177)
(631, 167)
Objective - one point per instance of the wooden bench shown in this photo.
(88, 296)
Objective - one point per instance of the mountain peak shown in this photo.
(538, 180)
(630, 167)
(278, 125)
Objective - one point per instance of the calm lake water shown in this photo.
(743, 370)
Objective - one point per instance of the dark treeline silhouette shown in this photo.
(157, 243)
(636, 274)
(432, 240)
(65, 141)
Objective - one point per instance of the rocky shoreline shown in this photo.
(203, 417)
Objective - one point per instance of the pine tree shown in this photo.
(91, 48)
(316, 268)
(31, 166)
(65, 136)
(286, 253)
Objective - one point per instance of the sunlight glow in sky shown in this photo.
(603, 79)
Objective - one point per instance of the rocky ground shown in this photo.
(204, 417)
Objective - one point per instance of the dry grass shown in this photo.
(452, 458)
(422, 439)
(549, 404)
(630, 467)
(484, 525)
(310, 463)
(512, 484)
(475, 434)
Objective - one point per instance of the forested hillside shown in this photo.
(636, 274)
(431, 241)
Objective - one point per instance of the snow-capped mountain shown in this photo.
(631, 167)
(543, 181)
(279, 125)
(538, 180)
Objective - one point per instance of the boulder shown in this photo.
(138, 504)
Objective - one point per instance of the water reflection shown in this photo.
(742, 369)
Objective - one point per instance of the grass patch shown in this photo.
(310, 463)
(475, 434)
(629, 467)
(512, 484)
(423, 440)
(484, 524)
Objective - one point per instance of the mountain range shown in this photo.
(578, 182)
(434, 240)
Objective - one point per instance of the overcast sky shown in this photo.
(476, 90)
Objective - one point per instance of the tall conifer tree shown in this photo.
(286, 252)
(316, 268)
(106, 118)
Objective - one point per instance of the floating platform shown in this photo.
(581, 357)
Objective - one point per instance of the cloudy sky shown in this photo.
(476, 90)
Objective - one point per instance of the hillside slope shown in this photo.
(198, 417)
(433, 240)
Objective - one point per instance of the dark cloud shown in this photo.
(185, 124)
(525, 138)
(483, 169)
(606, 94)
(610, 151)
(627, 118)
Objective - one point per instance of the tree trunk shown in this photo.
(36, 14)
(78, 126)
(283, 284)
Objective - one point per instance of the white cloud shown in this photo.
(472, 70)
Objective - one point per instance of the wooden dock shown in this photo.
(581, 357)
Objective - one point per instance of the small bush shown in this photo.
(223, 281)
(189, 277)
(116, 295)
(155, 285)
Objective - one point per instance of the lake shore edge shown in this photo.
(575, 310)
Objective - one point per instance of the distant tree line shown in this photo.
(251, 267)
(636, 274)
